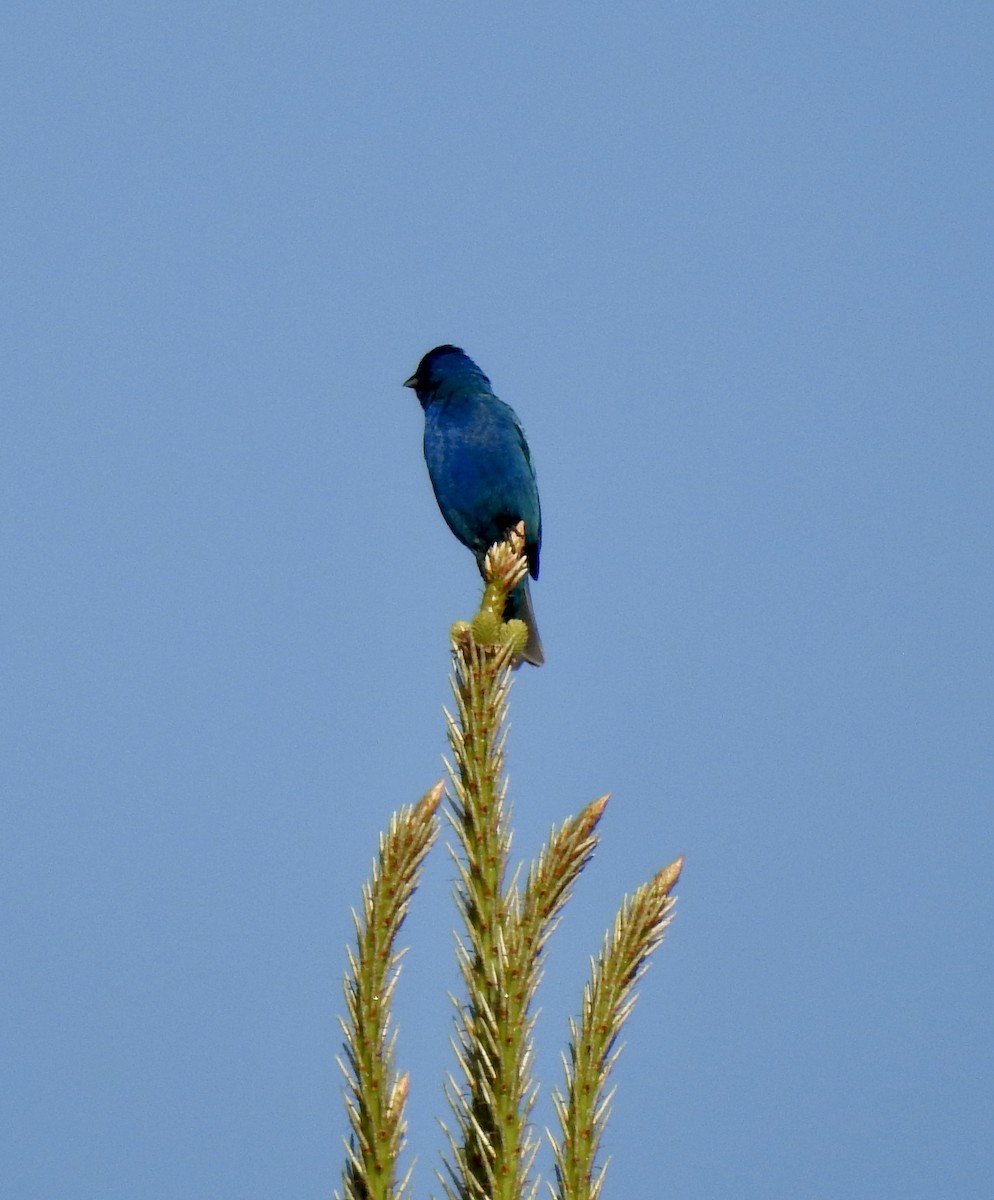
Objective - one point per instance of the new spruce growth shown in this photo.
(506, 925)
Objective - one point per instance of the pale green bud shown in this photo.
(486, 628)
(515, 633)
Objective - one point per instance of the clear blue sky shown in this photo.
(731, 263)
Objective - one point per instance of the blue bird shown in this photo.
(480, 468)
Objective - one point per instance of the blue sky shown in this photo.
(731, 264)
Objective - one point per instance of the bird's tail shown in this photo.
(519, 606)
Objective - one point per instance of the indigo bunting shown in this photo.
(480, 468)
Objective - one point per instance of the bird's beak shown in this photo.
(412, 382)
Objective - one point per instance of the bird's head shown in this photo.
(443, 368)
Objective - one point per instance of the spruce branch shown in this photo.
(608, 999)
(374, 1093)
(491, 1148)
(552, 875)
(500, 952)
(487, 1152)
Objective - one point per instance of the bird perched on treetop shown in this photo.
(480, 468)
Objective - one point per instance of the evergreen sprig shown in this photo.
(491, 1152)
(375, 1094)
(608, 999)
(506, 927)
